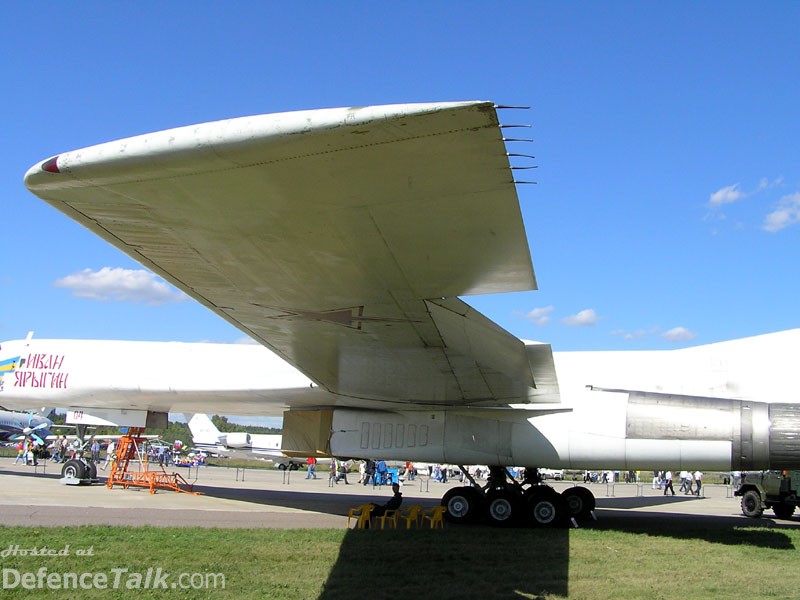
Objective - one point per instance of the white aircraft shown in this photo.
(206, 436)
(341, 240)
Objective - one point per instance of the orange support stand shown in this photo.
(128, 450)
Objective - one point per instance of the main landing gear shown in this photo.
(505, 502)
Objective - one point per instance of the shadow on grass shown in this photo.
(734, 531)
(457, 562)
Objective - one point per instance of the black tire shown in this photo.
(751, 504)
(463, 504)
(282, 467)
(580, 502)
(544, 507)
(91, 473)
(74, 468)
(783, 511)
(293, 466)
(502, 507)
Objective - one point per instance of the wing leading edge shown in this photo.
(339, 238)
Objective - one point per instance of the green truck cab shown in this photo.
(769, 489)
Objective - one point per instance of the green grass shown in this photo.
(675, 559)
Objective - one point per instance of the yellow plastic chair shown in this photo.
(361, 514)
(364, 517)
(434, 515)
(410, 515)
(390, 516)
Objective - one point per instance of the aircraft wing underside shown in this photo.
(340, 239)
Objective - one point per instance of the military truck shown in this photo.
(769, 489)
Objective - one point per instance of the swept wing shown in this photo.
(340, 238)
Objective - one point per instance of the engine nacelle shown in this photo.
(605, 428)
(239, 439)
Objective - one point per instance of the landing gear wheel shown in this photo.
(545, 507)
(502, 507)
(74, 469)
(783, 511)
(462, 504)
(580, 502)
(91, 472)
(751, 504)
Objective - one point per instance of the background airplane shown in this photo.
(17, 424)
(342, 241)
(206, 436)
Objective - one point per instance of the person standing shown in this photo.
(95, 450)
(109, 455)
(332, 479)
(57, 450)
(20, 453)
(311, 471)
(698, 479)
(668, 483)
(341, 471)
(683, 482)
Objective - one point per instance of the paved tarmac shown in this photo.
(270, 498)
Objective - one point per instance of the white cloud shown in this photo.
(785, 214)
(679, 334)
(123, 285)
(583, 318)
(766, 184)
(635, 335)
(726, 195)
(540, 316)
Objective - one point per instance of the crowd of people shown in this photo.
(31, 450)
(689, 480)
(376, 472)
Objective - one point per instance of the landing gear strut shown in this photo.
(80, 470)
(505, 502)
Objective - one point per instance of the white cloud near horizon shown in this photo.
(679, 334)
(120, 285)
(584, 318)
(786, 213)
(635, 335)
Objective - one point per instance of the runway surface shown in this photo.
(257, 498)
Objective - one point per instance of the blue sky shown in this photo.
(667, 210)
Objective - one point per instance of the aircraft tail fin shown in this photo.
(203, 429)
